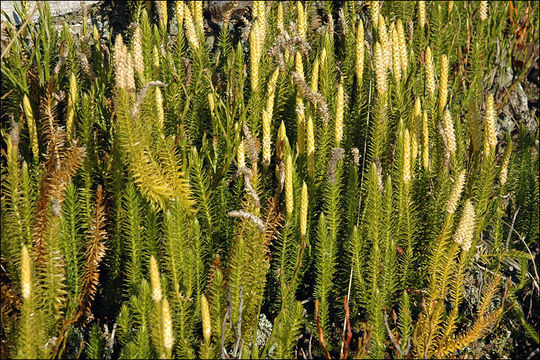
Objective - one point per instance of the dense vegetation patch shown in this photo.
(287, 179)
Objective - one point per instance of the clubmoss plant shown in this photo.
(285, 179)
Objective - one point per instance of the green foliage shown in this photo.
(96, 343)
(72, 243)
(141, 191)
(133, 242)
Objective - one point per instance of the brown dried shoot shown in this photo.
(95, 252)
